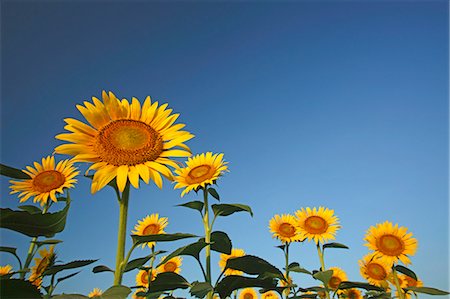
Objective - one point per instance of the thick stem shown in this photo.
(207, 228)
(150, 272)
(31, 252)
(122, 231)
(401, 295)
(322, 266)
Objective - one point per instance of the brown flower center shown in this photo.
(48, 180)
(128, 142)
(248, 296)
(199, 174)
(315, 225)
(170, 267)
(144, 278)
(352, 294)
(334, 282)
(151, 229)
(286, 230)
(390, 245)
(376, 271)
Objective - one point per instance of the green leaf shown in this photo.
(334, 245)
(168, 281)
(191, 250)
(70, 296)
(47, 242)
(18, 289)
(136, 263)
(295, 267)
(214, 193)
(101, 268)
(67, 277)
(228, 209)
(75, 264)
(360, 285)
(406, 271)
(195, 205)
(427, 290)
(13, 173)
(30, 209)
(11, 250)
(160, 238)
(233, 282)
(200, 289)
(220, 242)
(253, 265)
(323, 276)
(34, 225)
(116, 292)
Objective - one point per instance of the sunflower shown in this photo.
(353, 294)
(95, 293)
(391, 242)
(142, 277)
(269, 295)
(200, 171)
(287, 284)
(284, 227)
(317, 224)
(172, 265)
(406, 282)
(135, 294)
(125, 141)
(337, 277)
(150, 225)
(248, 293)
(5, 270)
(45, 180)
(46, 259)
(235, 252)
(375, 270)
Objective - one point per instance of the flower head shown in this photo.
(96, 292)
(200, 170)
(150, 225)
(143, 275)
(125, 141)
(284, 228)
(337, 277)
(42, 263)
(353, 294)
(235, 252)
(5, 270)
(46, 180)
(319, 225)
(375, 270)
(270, 295)
(172, 265)
(248, 293)
(391, 242)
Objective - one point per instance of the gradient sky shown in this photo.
(313, 103)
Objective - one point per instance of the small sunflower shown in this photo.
(270, 295)
(5, 270)
(96, 292)
(353, 294)
(319, 225)
(172, 265)
(135, 296)
(391, 242)
(235, 252)
(150, 225)
(407, 282)
(142, 277)
(337, 277)
(284, 228)
(248, 293)
(46, 259)
(375, 270)
(125, 141)
(45, 180)
(201, 170)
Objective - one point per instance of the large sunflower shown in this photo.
(375, 270)
(248, 293)
(235, 252)
(337, 277)
(315, 224)
(391, 242)
(96, 292)
(125, 140)
(172, 265)
(200, 170)
(150, 225)
(142, 277)
(45, 180)
(284, 227)
(5, 270)
(46, 259)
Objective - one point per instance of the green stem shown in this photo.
(286, 256)
(208, 229)
(150, 272)
(121, 236)
(397, 284)
(32, 247)
(322, 266)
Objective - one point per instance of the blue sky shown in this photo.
(313, 103)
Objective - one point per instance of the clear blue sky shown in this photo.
(312, 102)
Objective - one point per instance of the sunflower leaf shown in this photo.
(360, 285)
(136, 263)
(200, 289)
(195, 205)
(220, 242)
(233, 282)
(13, 173)
(253, 265)
(427, 290)
(30, 209)
(12, 251)
(295, 267)
(18, 289)
(168, 281)
(406, 271)
(191, 250)
(67, 277)
(214, 193)
(34, 225)
(334, 245)
(75, 264)
(116, 292)
(160, 238)
(323, 276)
(101, 268)
(228, 209)
(47, 242)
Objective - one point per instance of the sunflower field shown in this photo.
(124, 144)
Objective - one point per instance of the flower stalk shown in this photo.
(322, 266)
(207, 228)
(121, 237)
(401, 295)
